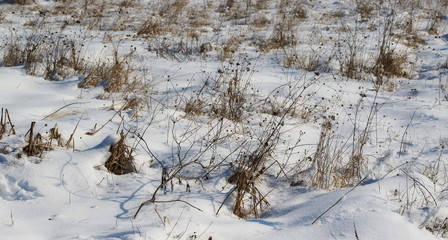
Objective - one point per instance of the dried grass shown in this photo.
(391, 63)
(232, 85)
(152, 27)
(195, 107)
(121, 160)
(36, 144)
(247, 174)
(305, 61)
(327, 157)
(20, 2)
(115, 77)
(438, 226)
(13, 55)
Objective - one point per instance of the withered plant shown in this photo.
(389, 61)
(232, 86)
(115, 75)
(5, 121)
(351, 53)
(247, 174)
(326, 159)
(49, 54)
(36, 143)
(120, 160)
(255, 159)
(20, 2)
(187, 164)
(14, 50)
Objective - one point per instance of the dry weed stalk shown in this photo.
(351, 53)
(5, 120)
(14, 52)
(36, 144)
(327, 157)
(253, 163)
(185, 158)
(308, 61)
(249, 200)
(438, 226)
(232, 84)
(121, 160)
(50, 54)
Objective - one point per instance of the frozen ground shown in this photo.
(67, 193)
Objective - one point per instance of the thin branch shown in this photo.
(340, 199)
(165, 201)
(59, 109)
(228, 195)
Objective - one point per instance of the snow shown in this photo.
(67, 193)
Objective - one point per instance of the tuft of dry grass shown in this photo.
(195, 107)
(13, 55)
(248, 172)
(36, 144)
(114, 77)
(121, 160)
(20, 2)
(328, 154)
(391, 63)
(152, 27)
(305, 61)
(232, 85)
(365, 9)
(438, 226)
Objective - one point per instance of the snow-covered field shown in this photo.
(243, 119)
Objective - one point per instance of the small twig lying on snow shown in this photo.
(108, 121)
(421, 184)
(59, 109)
(345, 194)
(166, 201)
(228, 195)
(12, 219)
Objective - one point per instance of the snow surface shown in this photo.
(69, 194)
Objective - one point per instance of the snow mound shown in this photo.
(13, 190)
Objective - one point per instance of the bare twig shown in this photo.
(59, 109)
(340, 199)
(164, 201)
(73, 133)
